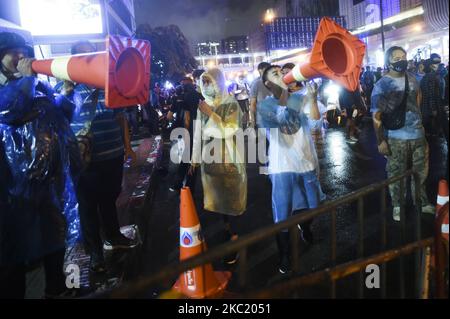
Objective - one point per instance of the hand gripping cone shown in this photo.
(336, 54)
(201, 282)
(123, 70)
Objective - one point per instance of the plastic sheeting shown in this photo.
(39, 164)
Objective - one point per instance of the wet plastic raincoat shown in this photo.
(224, 178)
(38, 157)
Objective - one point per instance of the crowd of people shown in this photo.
(51, 138)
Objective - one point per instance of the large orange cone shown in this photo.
(123, 70)
(336, 54)
(201, 282)
(442, 196)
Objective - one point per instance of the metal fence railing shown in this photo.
(241, 246)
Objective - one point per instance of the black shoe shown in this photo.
(283, 249)
(306, 234)
(66, 294)
(121, 242)
(97, 265)
(231, 259)
(285, 265)
(175, 188)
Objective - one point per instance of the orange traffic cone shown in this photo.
(123, 70)
(201, 282)
(336, 54)
(442, 197)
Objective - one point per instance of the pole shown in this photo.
(382, 25)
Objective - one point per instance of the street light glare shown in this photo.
(270, 15)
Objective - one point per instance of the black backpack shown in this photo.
(394, 119)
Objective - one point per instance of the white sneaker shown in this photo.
(428, 209)
(396, 214)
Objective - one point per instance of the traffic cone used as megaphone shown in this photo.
(442, 196)
(336, 54)
(201, 282)
(123, 70)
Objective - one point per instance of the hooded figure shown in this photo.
(224, 177)
(38, 156)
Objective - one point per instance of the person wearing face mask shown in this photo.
(398, 126)
(223, 171)
(294, 86)
(258, 92)
(293, 164)
(108, 146)
(432, 95)
(196, 75)
(39, 158)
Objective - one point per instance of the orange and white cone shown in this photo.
(201, 282)
(442, 197)
(123, 70)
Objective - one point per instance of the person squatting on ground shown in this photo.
(293, 165)
(107, 137)
(223, 170)
(38, 157)
(398, 127)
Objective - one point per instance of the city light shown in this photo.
(168, 85)
(332, 91)
(379, 55)
(397, 18)
(269, 16)
(69, 17)
(417, 28)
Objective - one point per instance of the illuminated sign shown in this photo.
(61, 17)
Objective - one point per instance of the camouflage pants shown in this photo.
(406, 154)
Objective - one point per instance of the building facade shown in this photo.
(235, 45)
(207, 48)
(294, 32)
(419, 26)
(308, 8)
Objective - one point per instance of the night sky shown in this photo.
(203, 20)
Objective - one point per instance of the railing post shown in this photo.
(243, 268)
(418, 230)
(361, 244)
(333, 252)
(383, 240)
(403, 236)
(293, 233)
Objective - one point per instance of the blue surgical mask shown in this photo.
(209, 91)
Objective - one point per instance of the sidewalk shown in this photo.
(135, 190)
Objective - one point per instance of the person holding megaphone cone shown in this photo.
(104, 141)
(293, 164)
(38, 159)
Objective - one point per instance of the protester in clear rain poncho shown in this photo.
(225, 179)
(38, 155)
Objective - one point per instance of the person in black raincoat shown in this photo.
(38, 157)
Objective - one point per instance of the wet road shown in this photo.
(345, 168)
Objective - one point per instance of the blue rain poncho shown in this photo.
(39, 160)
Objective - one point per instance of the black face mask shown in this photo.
(400, 66)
